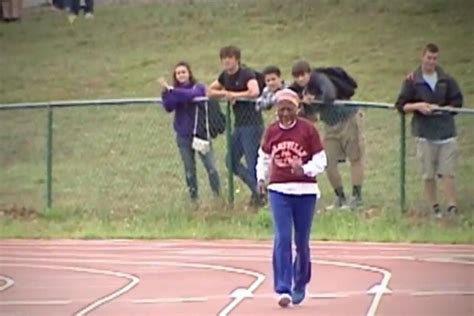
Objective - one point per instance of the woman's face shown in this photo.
(286, 112)
(182, 74)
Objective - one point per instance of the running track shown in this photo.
(69, 277)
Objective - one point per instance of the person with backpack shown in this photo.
(191, 136)
(237, 82)
(344, 136)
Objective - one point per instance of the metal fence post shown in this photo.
(402, 162)
(230, 173)
(49, 159)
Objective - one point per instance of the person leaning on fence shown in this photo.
(291, 156)
(11, 10)
(273, 83)
(427, 88)
(233, 83)
(343, 137)
(178, 98)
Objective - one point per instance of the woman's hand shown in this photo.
(296, 166)
(163, 83)
(262, 188)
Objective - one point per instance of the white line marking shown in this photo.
(9, 282)
(377, 288)
(20, 303)
(441, 293)
(447, 260)
(105, 245)
(329, 295)
(382, 286)
(92, 306)
(215, 256)
(259, 278)
(170, 300)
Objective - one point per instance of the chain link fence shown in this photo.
(22, 167)
(464, 172)
(126, 159)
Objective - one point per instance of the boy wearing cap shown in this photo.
(290, 157)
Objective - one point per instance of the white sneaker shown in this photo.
(88, 16)
(284, 300)
(339, 203)
(72, 18)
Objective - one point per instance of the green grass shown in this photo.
(117, 171)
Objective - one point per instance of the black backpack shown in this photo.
(259, 76)
(217, 119)
(344, 83)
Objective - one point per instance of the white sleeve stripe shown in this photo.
(263, 165)
(316, 165)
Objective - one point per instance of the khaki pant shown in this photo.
(11, 9)
(437, 159)
(345, 140)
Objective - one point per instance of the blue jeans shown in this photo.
(245, 143)
(75, 6)
(188, 157)
(291, 211)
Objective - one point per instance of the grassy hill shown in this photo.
(117, 171)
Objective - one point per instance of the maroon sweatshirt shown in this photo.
(301, 141)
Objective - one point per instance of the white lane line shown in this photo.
(236, 299)
(9, 282)
(105, 246)
(30, 302)
(259, 277)
(382, 287)
(214, 256)
(165, 300)
(170, 300)
(442, 293)
(447, 260)
(258, 281)
(97, 303)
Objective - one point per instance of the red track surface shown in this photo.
(229, 278)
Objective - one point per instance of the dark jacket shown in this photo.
(323, 89)
(439, 125)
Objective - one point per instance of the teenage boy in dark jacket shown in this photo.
(422, 92)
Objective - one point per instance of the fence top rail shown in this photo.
(143, 101)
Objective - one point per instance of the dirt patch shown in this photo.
(19, 213)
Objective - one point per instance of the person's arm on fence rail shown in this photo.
(216, 90)
(252, 91)
(405, 101)
(321, 83)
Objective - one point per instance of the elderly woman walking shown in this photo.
(290, 157)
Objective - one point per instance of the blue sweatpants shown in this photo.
(290, 211)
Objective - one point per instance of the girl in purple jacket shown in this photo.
(178, 98)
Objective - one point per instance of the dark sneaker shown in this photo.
(298, 296)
